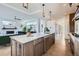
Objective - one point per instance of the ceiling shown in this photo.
(35, 9)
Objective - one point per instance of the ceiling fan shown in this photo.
(17, 18)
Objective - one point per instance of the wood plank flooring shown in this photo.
(5, 50)
(59, 49)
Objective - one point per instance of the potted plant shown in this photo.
(29, 31)
(46, 30)
(24, 29)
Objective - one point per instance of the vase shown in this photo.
(28, 34)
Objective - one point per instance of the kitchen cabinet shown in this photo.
(77, 47)
(39, 47)
(48, 41)
(72, 46)
(52, 37)
(4, 40)
(35, 48)
(28, 49)
(72, 43)
(19, 49)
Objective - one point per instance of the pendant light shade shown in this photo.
(43, 13)
(50, 12)
(70, 4)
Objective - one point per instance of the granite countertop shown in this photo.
(24, 38)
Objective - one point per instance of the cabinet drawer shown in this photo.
(38, 41)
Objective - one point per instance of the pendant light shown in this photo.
(70, 4)
(50, 12)
(43, 13)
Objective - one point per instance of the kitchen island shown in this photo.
(34, 45)
(74, 44)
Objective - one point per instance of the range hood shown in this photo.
(76, 17)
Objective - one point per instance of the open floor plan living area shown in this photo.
(39, 29)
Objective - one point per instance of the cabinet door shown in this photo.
(28, 49)
(39, 47)
(46, 43)
(72, 46)
(13, 48)
(53, 38)
(50, 41)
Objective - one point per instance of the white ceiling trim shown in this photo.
(35, 12)
(15, 8)
(29, 14)
(21, 10)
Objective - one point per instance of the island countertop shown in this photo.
(24, 38)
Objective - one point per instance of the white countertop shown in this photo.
(24, 39)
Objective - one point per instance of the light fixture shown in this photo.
(70, 4)
(43, 13)
(50, 12)
(25, 5)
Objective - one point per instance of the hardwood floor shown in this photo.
(61, 48)
(58, 49)
(5, 50)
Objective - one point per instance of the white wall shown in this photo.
(63, 23)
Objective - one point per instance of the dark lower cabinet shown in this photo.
(4, 40)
